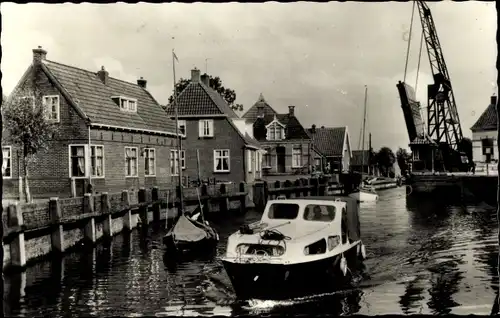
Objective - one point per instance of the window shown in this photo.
(321, 213)
(97, 160)
(249, 160)
(132, 105)
(284, 211)
(182, 127)
(254, 161)
(487, 145)
(275, 132)
(77, 161)
(7, 162)
(51, 107)
(267, 158)
(131, 162)
(126, 104)
(259, 161)
(297, 157)
(149, 162)
(221, 160)
(174, 161)
(415, 155)
(206, 128)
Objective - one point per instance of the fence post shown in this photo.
(243, 198)
(322, 182)
(277, 185)
(107, 223)
(57, 235)
(305, 184)
(17, 246)
(127, 217)
(143, 209)
(298, 184)
(314, 183)
(223, 199)
(155, 196)
(205, 202)
(88, 207)
(287, 185)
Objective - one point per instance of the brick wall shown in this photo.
(225, 137)
(289, 145)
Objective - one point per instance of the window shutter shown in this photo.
(211, 125)
(200, 128)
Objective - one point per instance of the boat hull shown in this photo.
(205, 245)
(364, 196)
(283, 281)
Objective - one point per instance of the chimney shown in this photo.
(322, 127)
(103, 75)
(195, 75)
(493, 100)
(39, 55)
(142, 82)
(260, 111)
(291, 110)
(313, 128)
(205, 79)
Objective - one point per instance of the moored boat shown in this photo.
(365, 193)
(300, 247)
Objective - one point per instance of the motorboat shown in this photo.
(300, 247)
(188, 234)
(365, 193)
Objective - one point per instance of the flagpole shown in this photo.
(179, 141)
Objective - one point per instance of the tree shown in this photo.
(385, 160)
(403, 160)
(28, 128)
(229, 95)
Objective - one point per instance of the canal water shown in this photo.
(423, 257)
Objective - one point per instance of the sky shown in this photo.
(315, 56)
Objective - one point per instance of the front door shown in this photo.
(281, 162)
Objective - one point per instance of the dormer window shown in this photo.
(126, 104)
(275, 131)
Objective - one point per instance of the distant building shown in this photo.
(332, 148)
(113, 133)
(225, 144)
(484, 135)
(287, 144)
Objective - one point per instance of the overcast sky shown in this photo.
(316, 56)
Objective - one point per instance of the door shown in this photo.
(281, 162)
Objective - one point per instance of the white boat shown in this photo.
(300, 247)
(365, 194)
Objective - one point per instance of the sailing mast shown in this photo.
(363, 136)
(179, 139)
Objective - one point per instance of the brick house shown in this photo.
(484, 136)
(287, 144)
(332, 148)
(112, 133)
(227, 150)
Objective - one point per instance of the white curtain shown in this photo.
(80, 153)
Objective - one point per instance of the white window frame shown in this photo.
(10, 162)
(222, 156)
(276, 127)
(85, 163)
(127, 103)
(136, 162)
(249, 160)
(182, 123)
(103, 162)
(294, 164)
(174, 160)
(415, 155)
(147, 159)
(48, 111)
(206, 128)
(268, 159)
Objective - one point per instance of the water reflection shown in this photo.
(424, 256)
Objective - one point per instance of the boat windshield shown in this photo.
(286, 211)
(317, 212)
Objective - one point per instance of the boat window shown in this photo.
(317, 212)
(287, 211)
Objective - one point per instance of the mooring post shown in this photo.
(57, 235)
(205, 202)
(107, 223)
(127, 217)
(223, 202)
(17, 246)
(88, 208)
(143, 209)
(287, 185)
(322, 182)
(155, 197)
(297, 185)
(243, 198)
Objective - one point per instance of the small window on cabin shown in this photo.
(321, 213)
(283, 211)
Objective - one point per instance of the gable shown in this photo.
(293, 128)
(93, 97)
(253, 112)
(329, 141)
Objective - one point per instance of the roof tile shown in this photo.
(328, 141)
(252, 113)
(294, 130)
(487, 120)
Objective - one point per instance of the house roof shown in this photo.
(293, 128)
(328, 142)
(199, 99)
(93, 98)
(487, 120)
(252, 113)
(357, 157)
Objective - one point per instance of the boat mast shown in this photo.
(363, 136)
(179, 139)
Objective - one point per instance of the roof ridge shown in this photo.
(207, 90)
(95, 73)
